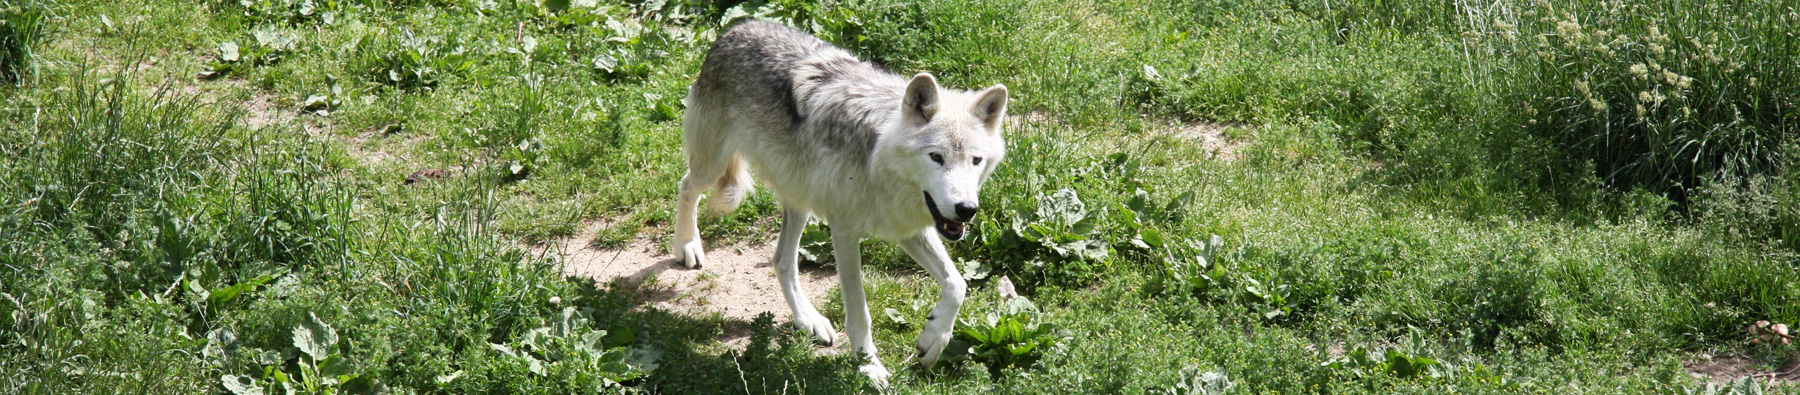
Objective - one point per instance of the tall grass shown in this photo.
(1663, 96)
(21, 28)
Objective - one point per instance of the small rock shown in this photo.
(1765, 332)
(1005, 287)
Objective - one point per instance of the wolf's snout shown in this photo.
(966, 212)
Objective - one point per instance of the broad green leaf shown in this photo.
(1062, 205)
(228, 51)
(894, 315)
(446, 379)
(1152, 237)
(335, 365)
(1172, 211)
(1017, 306)
(315, 102)
(504, 350)
(643, 358)
(315, 337)
(1151, 74)
(232, 292)
(241, 385)
(733, 14)
(364, 386)
(975, 270)
(194, 286)
(1213, 383)
(1140, 203)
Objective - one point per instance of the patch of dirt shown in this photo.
(738, 282)
(1211, 137)
(1731, 368)
(260, 110)
(1033, 117)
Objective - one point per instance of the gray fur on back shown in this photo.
(800, 89)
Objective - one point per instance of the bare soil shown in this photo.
(1733, 367)
(1212, 138)
(738, 282)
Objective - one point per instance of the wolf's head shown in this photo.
(947, 142)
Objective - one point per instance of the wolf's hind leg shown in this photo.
(847, 248)
(707, 162)
(687, 246)
(787, 269)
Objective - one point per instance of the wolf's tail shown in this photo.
(732, 186)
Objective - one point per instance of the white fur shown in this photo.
(801, 115)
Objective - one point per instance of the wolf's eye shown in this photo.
(978, 161)
(937, 158)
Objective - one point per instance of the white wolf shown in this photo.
(870, 153)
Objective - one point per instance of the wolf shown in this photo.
(868, 152)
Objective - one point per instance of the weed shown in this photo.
(574, 356)
(318, 366)
(1057, 243)
(1195, 382)
(267, 47)
(408, 60)
(1008, 338)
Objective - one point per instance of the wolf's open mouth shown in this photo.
(950, 229)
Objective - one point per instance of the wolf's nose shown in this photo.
(965, 212)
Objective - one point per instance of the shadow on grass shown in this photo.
(776, 359)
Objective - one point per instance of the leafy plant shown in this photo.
(827, 20)
(815, 242)
(294, 12)
(1058, 243)
(318, 367)
(1191, 267)
(570, 352)
(629, 51)
(1743, 386)
(522, 158)
(407, 60)
(1007, 338)
(1063, 225)
(1195, 382)
(1400, 362)
(1188, 266)
(267, 47)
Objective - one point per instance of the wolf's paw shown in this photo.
(932, 341)
(876, 373)
(816, 324)
(691, 254)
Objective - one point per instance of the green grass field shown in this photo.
(1419, 197)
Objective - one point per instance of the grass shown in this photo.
(1495, 188)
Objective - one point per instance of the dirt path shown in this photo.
(738, 282)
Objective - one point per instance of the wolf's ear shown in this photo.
(990, 107)
(921, 99)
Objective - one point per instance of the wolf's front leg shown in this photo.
(787, 269)
(929, 252)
